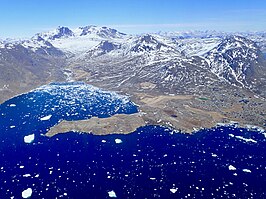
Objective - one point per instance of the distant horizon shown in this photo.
(122, 28)
(23, 19)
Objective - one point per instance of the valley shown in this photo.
(185, 83)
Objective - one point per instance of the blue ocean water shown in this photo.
(152, 162)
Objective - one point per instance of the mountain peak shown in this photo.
(59, 32)
(103, 32)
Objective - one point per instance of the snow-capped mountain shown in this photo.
(194, 34)
(80, 40)
(42, 46)
(169, 61)
(234, 59)
(103, 32)
(60, 32)
(102, 48)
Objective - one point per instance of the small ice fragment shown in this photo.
(173, 190)
(214, 155)
(27, 193)
(29, 138)
(118, 141)
(12, 127)
(152, 178)
(112, 194)
(21, 167)
(247, 170)
(46, 117)
(231, 168)
(12, 105)
(103, 141)
(246, 139)
(26, 175)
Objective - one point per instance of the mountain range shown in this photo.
(174, 62)
(203, 63)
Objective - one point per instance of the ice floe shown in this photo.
(46, 118)
(174, 190)
(242, 138)
(29, 138)
(246, 139)
(231, 168)
(118, 141)
(112, 194)
(26, 193)
(247, 170)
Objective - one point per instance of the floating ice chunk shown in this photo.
(112, 194)
(12, 127)
(174, 190)
(21, 167)
(246, 139)
(231, 168)
(118, 141)
(152, 178)
(247, 170)
(26, 175)
(26, 193)
(103, 141)
(29, 138)
(46, 117)
(12, 105)
(214, 155)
